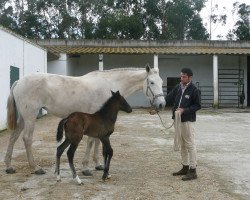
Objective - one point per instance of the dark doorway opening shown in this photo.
(171, 83)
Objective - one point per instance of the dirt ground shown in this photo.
(142, 164)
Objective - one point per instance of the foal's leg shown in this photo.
(60, 150)
(13, 138)
(29, 126)
(70, 154)
(98, 165)
(108, 154)
(86, 158)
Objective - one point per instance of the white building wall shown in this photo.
(18, 52)
(169, 66)
(58, 66)
(202, 67)
(35, 59)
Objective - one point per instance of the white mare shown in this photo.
(62, 95)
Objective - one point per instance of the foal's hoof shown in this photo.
(78, 180)
(106, 176)
(40, 172)
(10, 170)
(58, 178)
(99, 167)
(87, 173)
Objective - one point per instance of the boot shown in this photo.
(183, 171)
(191, 175)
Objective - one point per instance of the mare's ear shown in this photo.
(113, 93)
(148, 68)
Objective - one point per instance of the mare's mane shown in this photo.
(122, 69)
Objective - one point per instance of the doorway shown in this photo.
(171, 83)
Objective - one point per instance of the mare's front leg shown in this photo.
(13, 138)
(29, 126)
(86, 158)
(107, 154)
(98, 165)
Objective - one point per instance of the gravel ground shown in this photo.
(143, 161)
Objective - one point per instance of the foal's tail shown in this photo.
(11, 110)
(60, 127)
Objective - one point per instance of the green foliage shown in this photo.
(105, 19)
(7, 18)
(242, 26)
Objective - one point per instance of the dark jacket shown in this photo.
(190, 102)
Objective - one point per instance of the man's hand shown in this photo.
(180, 109)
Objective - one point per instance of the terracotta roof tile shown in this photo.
(146, 50)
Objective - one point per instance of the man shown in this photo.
(186, 99)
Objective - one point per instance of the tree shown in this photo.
(8, 17)
(105, 19)
(217, 17)
(242, 26)
(120, 20)
(196, 30)
(175, 19)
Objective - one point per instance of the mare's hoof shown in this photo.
(99, 167)
(40, 172)
(87, 173)
(10, 170)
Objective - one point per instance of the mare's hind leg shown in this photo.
(86, 158)
(60, 150)
(29, 126)
(13, 138)
(98, 166)
(70, 154)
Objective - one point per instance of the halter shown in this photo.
(151, 102)
(154, 96)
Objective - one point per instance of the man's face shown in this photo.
(185, 79)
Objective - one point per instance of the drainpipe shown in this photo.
(215, 81)
(100, 62)
(156, 62)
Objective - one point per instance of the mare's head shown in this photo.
(152, 88)
(121, 102)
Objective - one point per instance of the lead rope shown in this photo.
(163, 123)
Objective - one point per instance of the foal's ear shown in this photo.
(115, 93)
(118, 93)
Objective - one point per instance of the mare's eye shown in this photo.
(152, 83)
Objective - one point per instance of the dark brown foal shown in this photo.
(100, 125)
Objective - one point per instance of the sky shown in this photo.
(224, 7)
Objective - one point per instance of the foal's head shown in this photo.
(121, 102)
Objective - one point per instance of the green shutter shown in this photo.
(14, 74)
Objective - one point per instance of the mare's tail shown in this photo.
(11, 110)
(60, 128)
